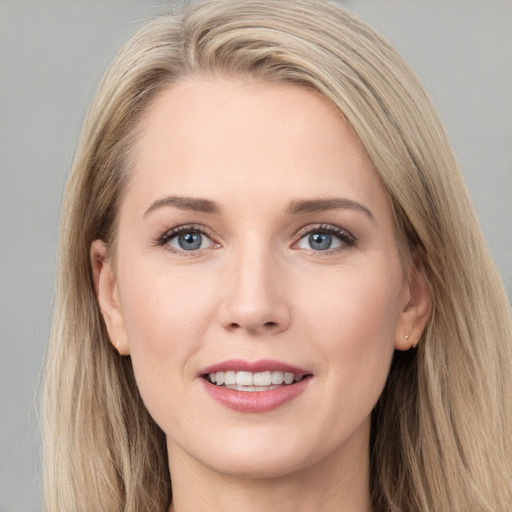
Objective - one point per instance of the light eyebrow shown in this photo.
(320, 205)
(185, 203)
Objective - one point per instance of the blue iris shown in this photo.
(320, 241)
(190, 241)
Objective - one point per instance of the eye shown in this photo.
(319, 241)
(189, 241)
(186, 239)
(324, 238)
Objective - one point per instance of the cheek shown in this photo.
(163, 307)
(357, 305)
(354, 321)
(165, 318)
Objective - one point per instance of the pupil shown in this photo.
(320, 241)
(190, 241)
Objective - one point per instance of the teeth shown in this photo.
(262, 378)
(248, 381)
(252, 388)
(230, 378)
(288, 378)
(277, 377)
(244, 379)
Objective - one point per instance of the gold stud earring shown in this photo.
(413, 344)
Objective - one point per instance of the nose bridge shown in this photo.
(254, 297)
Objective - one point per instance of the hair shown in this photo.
(441, 430)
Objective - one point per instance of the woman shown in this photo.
(273, 286)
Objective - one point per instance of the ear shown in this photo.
(107, 291)
(417, 306)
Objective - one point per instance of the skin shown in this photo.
(257, 289)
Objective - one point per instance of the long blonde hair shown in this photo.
(441, 431)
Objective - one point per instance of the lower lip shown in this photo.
(255, 401)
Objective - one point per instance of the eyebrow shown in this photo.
(320, 205)
(294, 208)
(185, 203)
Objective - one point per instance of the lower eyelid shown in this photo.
(344, 239)
(176, 238)
(171, 234)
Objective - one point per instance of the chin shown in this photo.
(263, 466)
(260, 453)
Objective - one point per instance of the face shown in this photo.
(258, 286)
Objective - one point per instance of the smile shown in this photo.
(249, 381)
(254, 386)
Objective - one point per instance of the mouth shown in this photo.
(254, 381)
(255, 386)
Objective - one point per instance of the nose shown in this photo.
(254, 296)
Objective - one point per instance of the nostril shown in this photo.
(266, 325)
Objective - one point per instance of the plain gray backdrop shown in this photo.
(52, 55)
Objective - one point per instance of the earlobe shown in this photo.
(416, 312)
(107, 292)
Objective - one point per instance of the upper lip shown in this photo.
(262, 365)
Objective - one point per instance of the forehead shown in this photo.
(226, 138)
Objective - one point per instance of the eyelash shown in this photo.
(347, 240)
(187, 228)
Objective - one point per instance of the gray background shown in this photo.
(52, 54)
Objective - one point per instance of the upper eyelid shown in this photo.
(175, 231)
(204, 230)
(319, 227)
(345, 236)
(188, 227)
(208, 231)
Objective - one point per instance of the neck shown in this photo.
(339, 482)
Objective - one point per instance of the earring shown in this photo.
(413, 345)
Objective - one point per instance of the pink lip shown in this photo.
(255, 401)
(263, 365)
